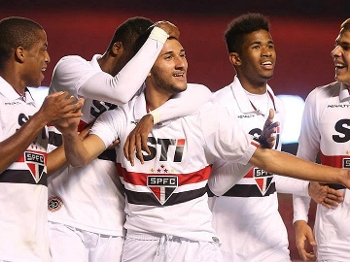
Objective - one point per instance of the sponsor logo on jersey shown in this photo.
(162, 186)
(346, 162)
(263, 179)
(54, 203)
(36, 163)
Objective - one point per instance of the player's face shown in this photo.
(258, 57)
(341, 57)
(169, 73)
(36, 60)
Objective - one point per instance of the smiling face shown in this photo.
(36, 59)
(341, 57)
(169, 73)
(256, 61)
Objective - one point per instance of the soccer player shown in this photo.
(249, 99)
(24, 162)
(167, 214)
(325, 132)
(87, 204)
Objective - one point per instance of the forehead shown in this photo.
(258, 36)
(344, 36)
(171, 45)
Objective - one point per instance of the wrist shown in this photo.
(159, 34)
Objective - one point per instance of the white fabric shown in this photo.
(325, 129)
(140, 247)
(82, 246)
(247, 220)
(23, 213)
(167, 193)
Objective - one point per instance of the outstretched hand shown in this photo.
(137, 139)
(325, 195)
(304, 240)
(267, 139)
(169, 28)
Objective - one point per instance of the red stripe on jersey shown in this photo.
(184, 179)
(255, 143)
(82, 125)
(334, 161)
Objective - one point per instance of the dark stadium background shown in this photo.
(303, 32)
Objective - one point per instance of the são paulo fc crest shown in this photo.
(162, 186)
(36, 164)
(263, 179)
(54, 203)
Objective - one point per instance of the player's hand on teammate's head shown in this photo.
(171, 29)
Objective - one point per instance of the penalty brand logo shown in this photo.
(36, 163)
(263, 180)
(162, 186)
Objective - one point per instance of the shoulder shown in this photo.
(324, 91)
(223, 94)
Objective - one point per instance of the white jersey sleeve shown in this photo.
(289, 185)
(191, 100)
(301, 206)
(224, 175)
(308, 149)
(80, 79)
(224, 137)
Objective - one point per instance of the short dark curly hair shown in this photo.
(239, 27)
(14, 32)
(129, 31)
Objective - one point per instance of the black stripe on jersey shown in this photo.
(21, 176)
(148, 199)
(249, 191)
(336, 186)
(55, 139)
(108, 154)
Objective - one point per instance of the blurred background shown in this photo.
(303, 32)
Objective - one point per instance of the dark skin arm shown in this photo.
(55, 106)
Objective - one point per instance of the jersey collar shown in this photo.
(9, 92)
(242, 99)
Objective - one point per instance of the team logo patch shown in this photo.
(54, 203)
(162, 186)
(263, 179)
(36, 164)
(346, 162)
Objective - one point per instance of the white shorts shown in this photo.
(140, 247)
(71, 244)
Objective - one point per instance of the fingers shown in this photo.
(138, 145)
(169, 28)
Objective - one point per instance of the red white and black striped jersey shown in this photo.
(23, 198)
(247, 206)
(167, 193)
(325, 130)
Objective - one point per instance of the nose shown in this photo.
(180, 61)
(47, 58)
(266, 52)
(336, 52)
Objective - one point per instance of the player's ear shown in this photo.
(235, 59)
(20, 54)
(117, 48)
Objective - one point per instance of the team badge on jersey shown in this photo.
(54, 203)
(162, 186)
(36, 163)
(263, 179)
